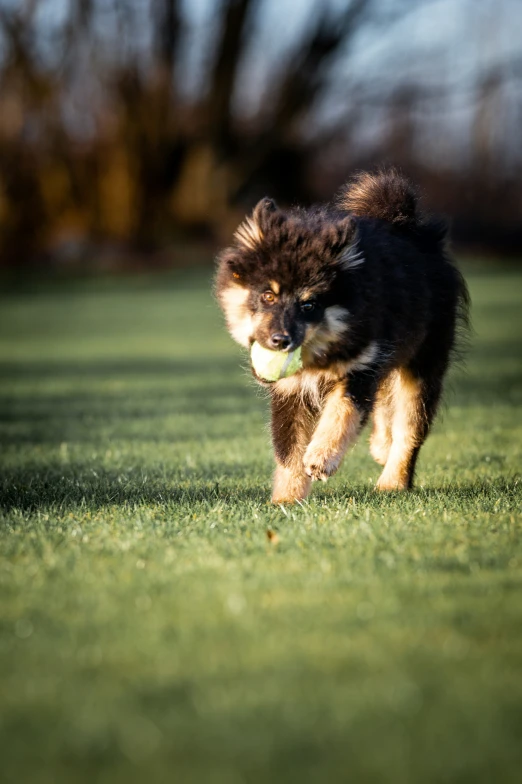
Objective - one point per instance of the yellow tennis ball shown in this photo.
(273, 365)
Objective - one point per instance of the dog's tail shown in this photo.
(388, 196)
(385, 195)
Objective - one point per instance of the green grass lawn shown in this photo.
(149, 629)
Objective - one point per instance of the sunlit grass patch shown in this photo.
(160, 620)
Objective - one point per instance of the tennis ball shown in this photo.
(273, 365)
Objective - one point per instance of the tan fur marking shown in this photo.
(305, 384)
(290, 485)
(274, 285)
(314, 350)
(366, 357)
(308, 381)
(234, 301)
(381, 438)
(320, 337)
(337, 429)
(289, 386)
(310, 385)
(336, 317)
(304, 294)
(249, 234)
(407, 431)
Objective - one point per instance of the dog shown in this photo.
(367, 288)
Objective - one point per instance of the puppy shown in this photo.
(369, 292)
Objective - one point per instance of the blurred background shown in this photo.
(135, 133)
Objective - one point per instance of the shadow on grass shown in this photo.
(114, 368)
(154, 418)
(130, 405)
(126, 392)
(64, 488)
(203, 401)
(70, 487)
(467, 497)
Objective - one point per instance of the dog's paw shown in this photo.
(390, 482)
(283, 499)
(320, 463)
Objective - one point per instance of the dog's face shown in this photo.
(280, 283)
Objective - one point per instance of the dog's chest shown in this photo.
(311, 386)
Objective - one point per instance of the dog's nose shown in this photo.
(280, 341)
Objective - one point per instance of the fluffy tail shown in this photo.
(385, 195)
(388, 196)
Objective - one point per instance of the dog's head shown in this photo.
(280, 282)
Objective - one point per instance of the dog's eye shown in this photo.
(268, 297)
(307, 307)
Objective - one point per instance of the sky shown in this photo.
(437, 39)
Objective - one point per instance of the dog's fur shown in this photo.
(369, 292)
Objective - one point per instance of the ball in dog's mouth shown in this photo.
(274, 365)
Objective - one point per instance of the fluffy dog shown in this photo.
(368, 290)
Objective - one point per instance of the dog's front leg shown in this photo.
(345, 411)
(292, 426)
(336, 430)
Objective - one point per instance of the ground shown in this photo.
(159, 620)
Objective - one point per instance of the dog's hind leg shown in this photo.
(293, 422)
(382, 415)
(417, 388)
(415, 401)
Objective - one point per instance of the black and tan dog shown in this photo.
(367, 289)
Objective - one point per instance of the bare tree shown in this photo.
(98, 137)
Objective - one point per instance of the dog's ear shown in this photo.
(251, 232)
(346, 252)
(341, 233)
(263, 210)
(230, 263)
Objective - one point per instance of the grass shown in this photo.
(149, 628)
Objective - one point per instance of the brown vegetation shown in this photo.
(100, 142)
